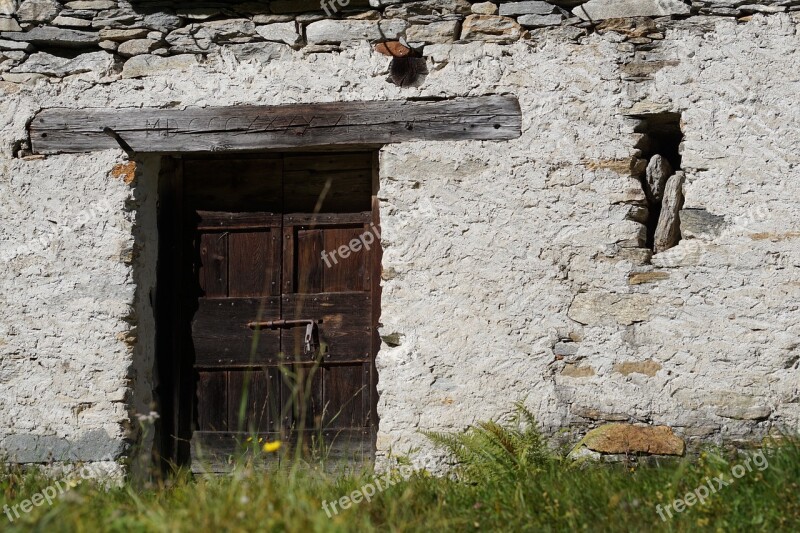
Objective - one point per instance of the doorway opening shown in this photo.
(268, 305)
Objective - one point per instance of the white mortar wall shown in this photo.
(486, 244)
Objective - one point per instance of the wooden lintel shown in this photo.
(249, 128)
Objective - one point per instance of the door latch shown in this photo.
(311, 339)
(311, 342)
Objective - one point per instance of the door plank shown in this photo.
(212, 396)
(303, 392)
(345, 331)
(254, 268)
(309, 261)
(259, 390)
(214, 220)
(221, 335)
(344, 393)
(214, 264)
(345, 273)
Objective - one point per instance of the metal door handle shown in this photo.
(274, 324)
(311, 341)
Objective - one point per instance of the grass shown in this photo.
(506, 480)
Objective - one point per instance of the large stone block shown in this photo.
(612, 9)
(631, 439)
(47, 36)
(137, 47)
(93, 445)
(38, 10)
(597, 308)
(668, 228)
(99, 63)
(151, 65)
(530, 7)
(490, 28)
(699, 223)
(436, 32)
(282, 32)
(9, 24)
(337, 31)
(8, 7)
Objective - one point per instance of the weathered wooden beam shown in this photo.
(249, 128)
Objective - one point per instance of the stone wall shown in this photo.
(534, 251)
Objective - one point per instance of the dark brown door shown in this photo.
(283, 252)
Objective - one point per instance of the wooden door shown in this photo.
(275, 244)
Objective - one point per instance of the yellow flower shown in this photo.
(272, 446)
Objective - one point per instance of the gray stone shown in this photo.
(152, 65)
(162, 22)
(609, 9)
(699, 223)
(668, 228)
(38, 10)
(263, 52)
(223, 31)
(604, 308)
(540, 21)
(657, 173)
(15, 45)
(284, 32)
(337, 31)
(484, 8)
(758, 8)
(93, 445)
(94, 5)
(72, 22)
(411, 11)
(16, 55)
(741, 406)
(8, 7)
(123, 35)
(137, 47)
(98, 63)
(436, 32)
(47, 36)
(120, 21)
(9, 24)
(531, 7)
(566, 349)
(490, 28)
(191, 39)
(272, 19)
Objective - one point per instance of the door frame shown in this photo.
(175, 387)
